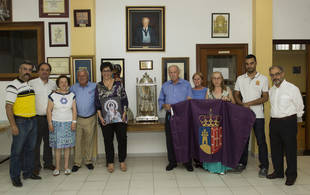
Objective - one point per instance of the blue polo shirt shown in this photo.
(85, 99)
(174, 93)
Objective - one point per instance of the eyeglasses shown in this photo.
(107, 71)
(275, 74)
(216, 78)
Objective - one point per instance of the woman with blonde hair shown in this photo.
(218, 90)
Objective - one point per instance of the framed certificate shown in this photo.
(82, 62)
(54, 8)
(58, 34)
(60, 65)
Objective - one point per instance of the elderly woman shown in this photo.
(199, 92)
(61, 117)
(217, 90)
(111, 104)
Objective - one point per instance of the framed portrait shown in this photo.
(82, 62)
(5, 11)
(145, 28)
(118, 67)
(146, 64)
(60, 65)
(220, 25)
(58, 34)
(82, 18)
(181, 62)
(53, 8)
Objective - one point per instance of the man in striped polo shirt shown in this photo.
(20, 110)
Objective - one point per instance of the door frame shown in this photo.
(200, 47)
(307, 122)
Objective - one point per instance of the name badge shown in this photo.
(257, 82)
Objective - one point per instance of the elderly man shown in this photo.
(20, 110)
(253, 88)
(286, 107)
(172, 92)
(86, 122)
(43, 87)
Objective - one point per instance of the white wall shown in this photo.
(187, 24)
(291, 19)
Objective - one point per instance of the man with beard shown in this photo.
(43, 87)
(174, 91)
(251, 91)
(286, 109)
(21, 113)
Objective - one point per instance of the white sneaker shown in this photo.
(67, 172)
(56, 172)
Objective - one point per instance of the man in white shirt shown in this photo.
(286, 107)
(43, 87)
(251, 91)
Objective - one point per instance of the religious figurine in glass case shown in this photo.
(146, 99)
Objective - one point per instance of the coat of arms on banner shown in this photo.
(210, 133)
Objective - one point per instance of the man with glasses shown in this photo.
(286, 109)
(251, 91)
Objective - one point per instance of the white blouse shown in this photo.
(62, 110)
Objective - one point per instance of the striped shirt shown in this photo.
(21, 95)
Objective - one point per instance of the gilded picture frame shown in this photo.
(220, 24)
(145, 28)
(60, 65)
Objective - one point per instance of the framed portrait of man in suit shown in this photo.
(145, 28)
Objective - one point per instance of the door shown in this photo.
(225, 58)
(294, 57)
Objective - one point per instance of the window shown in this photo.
(298, 46)
(282, 46)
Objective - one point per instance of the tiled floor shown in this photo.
(147, 176)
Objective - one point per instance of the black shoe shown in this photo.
(198, 165)
(36, 171)
(89, 166)
(189, 168)
(50, 167)
(32, 176)
(290, 181)
(75, 168)
(241, 167)
(263, 172)
(171, 166)
(274, 175)
(17, 182)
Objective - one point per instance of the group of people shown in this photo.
(251, 91)
(63, 117)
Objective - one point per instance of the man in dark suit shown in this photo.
(145, 34)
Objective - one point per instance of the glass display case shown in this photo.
(146, 90)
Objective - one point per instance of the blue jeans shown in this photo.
(23, 145)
